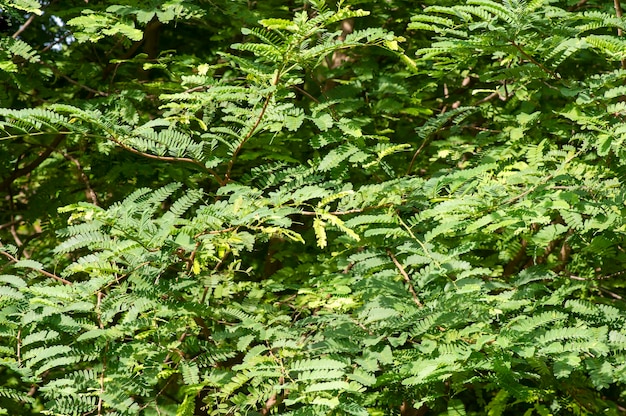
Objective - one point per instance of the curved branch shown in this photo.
(169, 159)
(245, 139)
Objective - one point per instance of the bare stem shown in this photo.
(168, 159)
(534, 61)
(406, 277)
(45, 273)
(89, 192)
(245, 139)
(24, 26)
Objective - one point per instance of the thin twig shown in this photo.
(32, 165)
(210, 232)
(534, 61)
(347, 212)
(19, 347)
(608, 292)
(406, 277)
(89, 192)
(417, 152)
(168, 159)
(233, 158)
(548, 178)
(45, 273)
(56, 42)
(301, 90)
(490, 97)
(577, 6)
(71, 81)
(24, 26)
(11, 223)
(196, 89)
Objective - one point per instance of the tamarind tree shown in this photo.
(306, 208)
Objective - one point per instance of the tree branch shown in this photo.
(534, 61)
(169, 159)
(245, 139)
(32, 165)
(406, 277)
(89, 192)
(45, 273)
(58, 73)
(24, 26)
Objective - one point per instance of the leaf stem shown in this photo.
(620, 32)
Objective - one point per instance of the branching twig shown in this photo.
(490, 97)
(347, 212)
(577, 6)
(417, 152)
(56, 42)
(11, 223)
(58, 73)
(211, 232)
(406, 277)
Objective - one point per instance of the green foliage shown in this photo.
(328, 212)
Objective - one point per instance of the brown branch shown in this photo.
(89, 192)
(490, 97)
(24, 26)
(407, 409)
(608, 292)
(58, 73)
(169, 159)
(45, 273)
(56, 42)
(32, 165)
(102, 376)
(577, 6)
(533, 188)
(304, 92)
(11, 223)
(180, 340)
(225, 230)
(417, 152)
(233, 158)
(196, 89)
(564, 253)
(350, 211)
(534, 61)
(271, 402)
(406, 278)
(16, 238)
(509, 269)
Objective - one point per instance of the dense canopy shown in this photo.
(229, 207)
